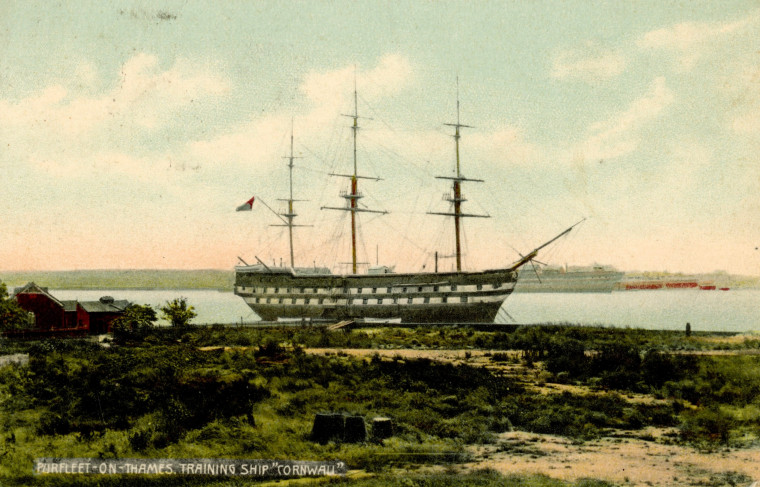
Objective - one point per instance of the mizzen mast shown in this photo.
(353, 197)
(457, 199)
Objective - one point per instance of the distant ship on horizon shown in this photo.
(568, 279)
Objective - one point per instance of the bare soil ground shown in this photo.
(642, 458)
(634, 461)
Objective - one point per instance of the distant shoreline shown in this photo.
(224, 280)
(134, 279)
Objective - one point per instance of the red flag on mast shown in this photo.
(247, 206)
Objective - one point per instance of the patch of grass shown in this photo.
(729, 478)
(520, 447)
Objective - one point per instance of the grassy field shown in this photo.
(217, 392)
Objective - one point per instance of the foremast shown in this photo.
(353, 197)
(457, 199)
(290, 214)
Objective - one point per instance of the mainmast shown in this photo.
(458, 198)
(290, 214)
(353, 197)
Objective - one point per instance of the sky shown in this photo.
(131, 131)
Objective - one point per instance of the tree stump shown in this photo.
(328, 426)
(382, 428)
(355, 430)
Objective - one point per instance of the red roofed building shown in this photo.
(49, 316)
(100, 314)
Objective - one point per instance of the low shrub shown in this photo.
(706, 427)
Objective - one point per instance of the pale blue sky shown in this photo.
(131, 130)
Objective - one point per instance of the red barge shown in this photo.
(636, 286)
(681, 284)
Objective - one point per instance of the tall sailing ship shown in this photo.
(421, 297)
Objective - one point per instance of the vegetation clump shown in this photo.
(178, 312)
(134, 324)
(12, 317)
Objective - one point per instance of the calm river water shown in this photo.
(734, 310)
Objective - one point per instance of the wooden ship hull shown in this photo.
(472, 297)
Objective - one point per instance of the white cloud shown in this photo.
(687, 35)
(150, 95)
(145, 95)
(691, 40)
(748, 123)
(507, 145)
(83, 147)
(619, 135)
(333, 88)
(744, 89)
(59, 136)
(588, 64)
(330, 94)
(249, 143)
